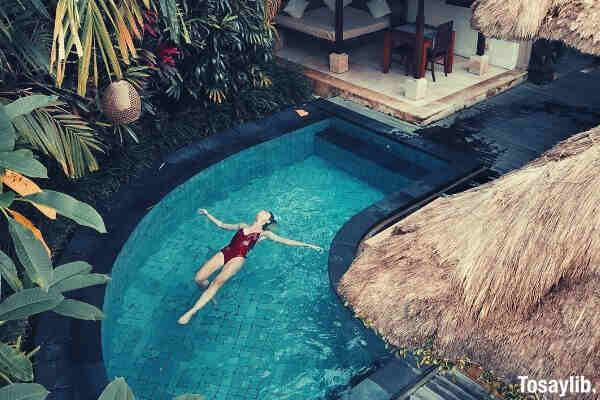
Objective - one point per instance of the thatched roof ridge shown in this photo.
(574, 22)
(506, 273)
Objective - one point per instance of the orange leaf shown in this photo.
(29, 225)
(25, 186)
(301, 112)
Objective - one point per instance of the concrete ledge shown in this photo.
(326, 85)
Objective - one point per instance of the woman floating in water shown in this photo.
(232, 257)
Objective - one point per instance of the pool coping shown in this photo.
(69, 363)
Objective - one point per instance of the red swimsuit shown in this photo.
(240, 245)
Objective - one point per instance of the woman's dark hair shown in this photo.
(271, 221)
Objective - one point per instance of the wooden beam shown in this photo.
(339, 26)
(419, 39)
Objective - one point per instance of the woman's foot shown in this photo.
(185, 318)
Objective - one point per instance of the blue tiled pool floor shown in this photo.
(277, 331)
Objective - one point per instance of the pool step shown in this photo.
(451, 385)
(403, 379)
(372, 162)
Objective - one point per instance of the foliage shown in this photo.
(42, 286)
(118, 389)
(227, 52)
(59, 133)
(24, 38)
(86, 27)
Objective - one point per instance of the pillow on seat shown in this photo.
(379, 8)
(295, 8)
(331, 4)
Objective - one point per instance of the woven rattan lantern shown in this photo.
(121, 103)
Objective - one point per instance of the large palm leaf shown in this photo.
(94, 26)
(62, 135)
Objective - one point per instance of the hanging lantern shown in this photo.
(121, 103)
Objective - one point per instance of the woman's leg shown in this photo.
(213, 264)
(229, 270)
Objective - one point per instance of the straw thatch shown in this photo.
(574, 22)
(506, 273)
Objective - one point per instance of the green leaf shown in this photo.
(117, 390)
(7, 132)
(32, 254)
(9, 272)
(189, 396)
(70, 207)
(70, 269)
(19, 162)
(28, 302)
(27, 104)
(41, 7)
(78, 309)
(80, 281)
(23, 391)
(6, 199)
(14, 363)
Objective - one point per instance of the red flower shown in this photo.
(150, 30)
(152, 18)
(167, 53)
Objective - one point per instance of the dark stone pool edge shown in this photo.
(70, 363)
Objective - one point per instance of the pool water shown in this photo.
(277, 330)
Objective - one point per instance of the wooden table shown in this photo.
(406, 34)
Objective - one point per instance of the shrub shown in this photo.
(225, 49)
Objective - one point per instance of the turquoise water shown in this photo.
(277, 331)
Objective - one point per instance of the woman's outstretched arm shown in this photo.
(289, 242)
(220, 224)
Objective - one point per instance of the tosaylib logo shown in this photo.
(562, 387)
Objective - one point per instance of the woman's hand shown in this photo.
(202, 211)
(317, 248)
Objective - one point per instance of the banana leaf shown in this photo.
(80, 281)
(70, 207)
(13, 363)
(117, 390)
(68, 270)
(8, 270)
(79, 309)
(31, 254)
(28, 302)
(23, 391)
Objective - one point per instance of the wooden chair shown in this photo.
(441, 47)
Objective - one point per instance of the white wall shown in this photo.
(502, 53)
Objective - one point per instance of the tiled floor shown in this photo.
(365, 71)
(386, 92)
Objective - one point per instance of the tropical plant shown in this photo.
(115, 390)
(229, 46)
(42, 286)
(59, 133)
(94, 28)
(21, 22)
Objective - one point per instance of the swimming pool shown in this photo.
(277, 330)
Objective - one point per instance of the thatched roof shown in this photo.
(506, 273)
(575, 22)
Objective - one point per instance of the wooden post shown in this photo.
(480, 44)
(339, 26)
(420, 39)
